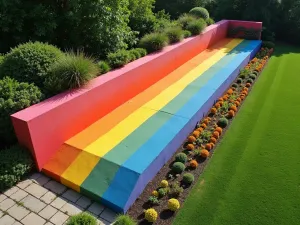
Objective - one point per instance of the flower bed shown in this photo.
(176, 178)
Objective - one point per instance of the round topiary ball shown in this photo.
(250, 81)
(252, 76)
(181, 157)
(188, 178)
(164, 183)
(30, 62)
(178, 167)
(223, 122)
(239, 80)
(151, 215)
(173, 204)
(199, 12)
(234, 85)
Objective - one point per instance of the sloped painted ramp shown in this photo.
(113, 159)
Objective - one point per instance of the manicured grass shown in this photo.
(254, 175)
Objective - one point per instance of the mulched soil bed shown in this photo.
(165, 216)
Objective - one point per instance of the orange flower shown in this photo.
(225, 97)
(200, 129)
(204, 153)
(242, 97)
(245, 89)
(196, 134)
(248, 85)
(203, 125)
(213, 110)
(193, 164)
(231, 113)
(206, 121)
(244, 92)
(217, 105)
(191, 139)
(219, 130)
(239, 99)
(190, 147)
(213, 140)
(220, 99)
(216, 134)
(208, 147)
(230, 91)
(233, 108)
(237, 103)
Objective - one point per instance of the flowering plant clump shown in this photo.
(173, 204)
(164, 184)
(151, 215)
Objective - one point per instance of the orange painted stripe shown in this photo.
(102, 126)
(61, 161)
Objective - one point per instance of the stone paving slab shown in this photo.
(40, 200)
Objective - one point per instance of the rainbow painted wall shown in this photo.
(111, 138)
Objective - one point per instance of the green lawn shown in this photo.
(254, 175)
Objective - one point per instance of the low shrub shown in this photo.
(155, 193)
(153, 200)
(151, 215)
(119, 58)
(196, 26)
(199, 12)
(164, 184)
(178, 167)
(103, 67)
(175, 190)
(82, 219)
(190, 147)
(124, 220)
(141, 51)
(252, 76)
(235, 85)
(15, 162)
(185, 19)
(1, 59)
(14, 96)
(188, 178)
(193, 164)
(154, 42)
(163, 192)
(223, 122)
(204, 153)
(175, 34)
(30, 62)
(191, 139)
(173, 204)
(268, 44)
(209, 21)
(187, 33)
(239, 80)
(74, 70)
(250, 81)
(181, 157)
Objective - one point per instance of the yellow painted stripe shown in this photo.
(112, 138)
(77, 172)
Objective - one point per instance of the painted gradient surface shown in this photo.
(109, 158)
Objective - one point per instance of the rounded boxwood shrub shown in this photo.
(188, 178)
(235, 85)
(30, 62)
(209, 21)
(124, 220)
(103, 67)
(15, 162)
(82, 219)
(187, 33)
(181, 157)
(178, 167)
(255, 73)
(250, 81)
(239, 80)
(185, 19)
(141, 51)
(136, 53)
(154, 42)
(119, 58)
(14, 96)
(199, 12)
(223, 122)
(242, 76)
(252, 76)
(196, 26)
(74, 70)
(175, 34)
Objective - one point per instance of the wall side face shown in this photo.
(44, 127)
(246, 24)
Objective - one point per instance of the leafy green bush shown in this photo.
(188, 178)
(153, 200)
(124, 220)
(178, 167)
(199, 12)
(223, 122)
(196, 26)
(234, 85)
(175, 34)
(103, 67)
(30, 62)
(154, 42)
(135, 53)
(14, 96)
(15, 162)
(1, 59)
(163, 191)
(252, 76)
(239, 80)
(209, 21)
(175, 190)
(250, 81)
(82, 219)
(187, 33)
(268, 44)
(185, 19)
(141, 51)
(119, 58)
(181, 157)
(74, 70)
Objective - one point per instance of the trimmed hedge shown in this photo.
(154, 42)
(30, 62)
(15, 162)
(14, 96)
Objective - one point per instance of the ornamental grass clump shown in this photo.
(82, 219)
(196, 27)
(154, 42)
(123, 220)
(175, 34)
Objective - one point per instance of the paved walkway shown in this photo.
(42, 201)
